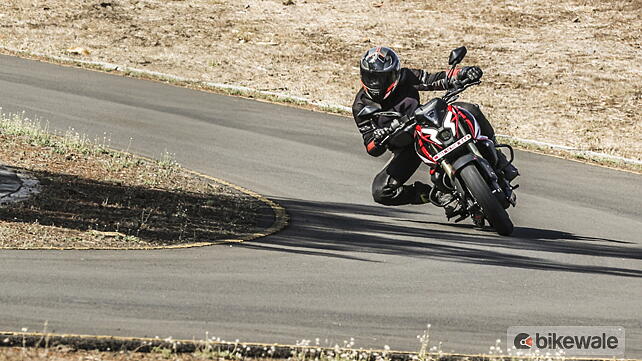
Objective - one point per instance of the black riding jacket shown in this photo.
(411, 81)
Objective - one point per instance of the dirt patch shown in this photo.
(63, 354)
(41, 346)
(93, 197)
(562, 71)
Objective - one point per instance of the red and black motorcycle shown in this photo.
(463, 162)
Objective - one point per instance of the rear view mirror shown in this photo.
(368, 110)
(457, 55)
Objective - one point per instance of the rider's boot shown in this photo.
(422, 193)
(509, 170)
(450, 204)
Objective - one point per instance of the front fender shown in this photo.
(482, 164)
(485, 169)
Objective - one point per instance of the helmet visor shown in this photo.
(378, 82)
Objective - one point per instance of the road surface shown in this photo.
(345, 267)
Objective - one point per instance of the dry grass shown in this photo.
(27, 354)
(20, 354)
(93, 197)
(564, 71)
(37, 346)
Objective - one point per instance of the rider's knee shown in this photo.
(472, 108)
(380, 196)
(484, 124)
(384, 195)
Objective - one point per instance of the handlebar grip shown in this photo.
(465, 82)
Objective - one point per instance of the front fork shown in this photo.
(450, 170)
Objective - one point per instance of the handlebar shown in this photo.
(449, 97)
(398, 128)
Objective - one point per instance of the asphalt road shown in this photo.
(345, 267)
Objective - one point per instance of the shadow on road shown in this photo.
(112, 210)
(353, 231)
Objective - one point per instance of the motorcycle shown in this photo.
(463, 163)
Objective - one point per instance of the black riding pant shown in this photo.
(388, 186)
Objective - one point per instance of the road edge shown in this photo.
(574, 154)
(246, 349)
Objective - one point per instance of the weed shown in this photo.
(168, 161)
(69, 143)
(165, 352)
(213, 348)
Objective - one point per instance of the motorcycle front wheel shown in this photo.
(492, 209)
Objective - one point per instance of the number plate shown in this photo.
(452, 147)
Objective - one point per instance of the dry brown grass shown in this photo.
(565, 71)
(29, 354)
(93, 197)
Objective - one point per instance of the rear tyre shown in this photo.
(492, 209)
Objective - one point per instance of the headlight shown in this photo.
(445, 135)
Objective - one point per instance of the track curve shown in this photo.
(345, 267)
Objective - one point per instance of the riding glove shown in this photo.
(472, 73)
(380, 133)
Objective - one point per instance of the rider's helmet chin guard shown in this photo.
(380, 70)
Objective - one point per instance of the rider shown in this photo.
(385, 83)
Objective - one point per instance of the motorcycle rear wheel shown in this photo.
(492, 209)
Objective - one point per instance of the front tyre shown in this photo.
(492, 209)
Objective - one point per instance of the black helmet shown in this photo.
(380, 69)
